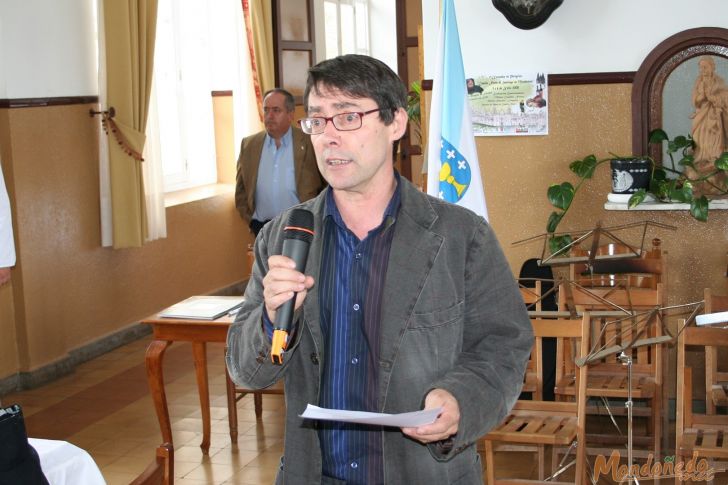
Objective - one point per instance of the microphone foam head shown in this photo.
(299, 225)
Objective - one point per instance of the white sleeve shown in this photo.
(7, 246)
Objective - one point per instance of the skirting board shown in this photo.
(43, 375)
(64, 366)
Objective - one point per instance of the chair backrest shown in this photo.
(643, 271)
(566, 332)
(695, 338)
(714, 375)
(531, 295)
(621, 298)
(161, 470)
(569, 342)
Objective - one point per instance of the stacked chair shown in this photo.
(698, 436)
(534, 424)
(623, 297)
(716, 380)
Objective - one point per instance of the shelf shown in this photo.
(720, 204)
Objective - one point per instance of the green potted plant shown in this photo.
(660, 187)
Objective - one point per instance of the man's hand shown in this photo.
(447, 422)
(281, 282)
(4, 275)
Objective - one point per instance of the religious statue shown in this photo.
(709, 128)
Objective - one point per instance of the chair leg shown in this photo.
(541, 462)
(489, 463)
(657, 425)
(258, 400)
(232, 408)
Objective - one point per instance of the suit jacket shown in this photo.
(308, 179)
(452, 318)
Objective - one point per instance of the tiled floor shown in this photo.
(104, 407)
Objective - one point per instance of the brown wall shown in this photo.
(583, 120)
(68, 291)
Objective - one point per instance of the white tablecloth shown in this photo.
(66, 464)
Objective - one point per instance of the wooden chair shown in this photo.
(235, 394)
(531, 383)
(532, 425)
(161, 471)
(616, 313)
(716, 380)
(703, 435)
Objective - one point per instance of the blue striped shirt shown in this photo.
(350, 296)
(275, 189)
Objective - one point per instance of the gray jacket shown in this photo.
(452, 318)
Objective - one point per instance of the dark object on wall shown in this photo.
(527, 14)
(19, 462)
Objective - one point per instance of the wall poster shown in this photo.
(509, 104)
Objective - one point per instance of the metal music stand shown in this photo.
(639, 326)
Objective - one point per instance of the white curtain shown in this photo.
(153, 174)
(107, 237)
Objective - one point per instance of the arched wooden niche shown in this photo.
(651, 78)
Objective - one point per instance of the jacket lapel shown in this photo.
(299, 149)
(412, 255)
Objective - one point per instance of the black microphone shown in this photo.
(297, 235)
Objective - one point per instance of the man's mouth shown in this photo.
(337, 161)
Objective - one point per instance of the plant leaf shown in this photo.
(557, 243)
(553, 221)
(561, 196)
(657, 136)
(659, 174)
(584, 168)
(637, 198)
(721, 163)
(687, 160)
(682, 194)
(681, 142)
(699, 208)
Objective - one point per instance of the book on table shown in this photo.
(204, 307)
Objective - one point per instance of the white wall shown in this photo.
(45, 48)
(580, 36)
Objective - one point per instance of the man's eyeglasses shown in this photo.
(342, 122)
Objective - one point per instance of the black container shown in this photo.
(630, 175)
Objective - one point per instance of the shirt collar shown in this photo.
(390, 213)
(286, 139)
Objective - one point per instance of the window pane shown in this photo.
(295, 70)
(362, 27)
(294, 20)
(331, 28)
(348, 30)
(182, 83)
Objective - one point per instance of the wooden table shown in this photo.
(199, 332)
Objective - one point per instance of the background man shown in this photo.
(406, 302)
(276, 167)
(7, 246)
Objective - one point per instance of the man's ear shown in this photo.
(399, 124)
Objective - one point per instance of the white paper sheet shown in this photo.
(402, 420)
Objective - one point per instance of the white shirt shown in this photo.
(7, 246)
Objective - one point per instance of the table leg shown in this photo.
(232, 407)
(153, 361)
(199, 350)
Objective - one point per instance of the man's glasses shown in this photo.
(341, 121)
